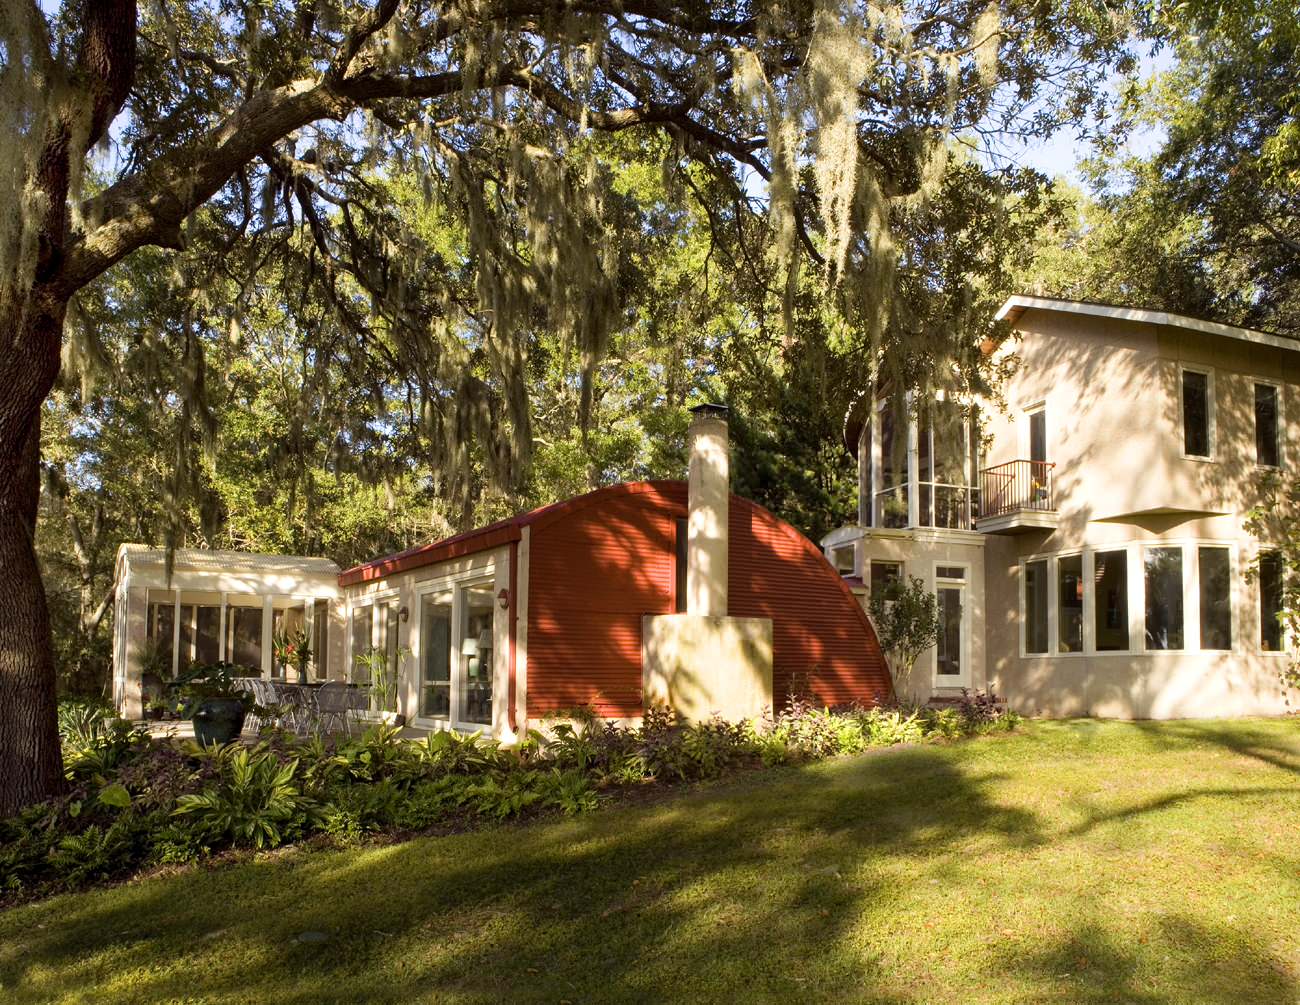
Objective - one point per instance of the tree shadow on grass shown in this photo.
(748, 890)
(1272, 742)
(1175, 958)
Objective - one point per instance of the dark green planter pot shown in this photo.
(218, 720)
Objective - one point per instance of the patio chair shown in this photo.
(359, 703)
(333, 702)
(289, 699)
(249, 686)
(265, 696)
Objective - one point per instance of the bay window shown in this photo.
(1069, 594)
(1110, 601)
(1164, 598)
(1215, 576)
(1035, 604)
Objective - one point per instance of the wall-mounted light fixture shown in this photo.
(503, 599)
(404, 613)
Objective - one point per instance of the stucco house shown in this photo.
(667, 592)
(1085, 536)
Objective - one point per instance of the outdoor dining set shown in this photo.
(327, 707)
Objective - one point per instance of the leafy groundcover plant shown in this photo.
(136, 802)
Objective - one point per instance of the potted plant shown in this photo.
(213, 699)
(155, 710)
(292, 649)
(385, 681)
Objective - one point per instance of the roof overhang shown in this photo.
(1016, 306)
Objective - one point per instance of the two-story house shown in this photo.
(1084, 537)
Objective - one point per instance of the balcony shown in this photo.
(1017, 497)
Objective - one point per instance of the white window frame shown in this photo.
(1257, 641)
(1211, 417)
(455, 584)
(1025, 654)
(1134, 604)
(1135, 559)
(1026, 431)
(1054, 604)
(1278, 433)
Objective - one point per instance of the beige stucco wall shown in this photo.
(1114, 414)
(703, 666)
(921, 551)
(489, 568)
(1114, 420)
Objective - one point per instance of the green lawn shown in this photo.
(1068, 862)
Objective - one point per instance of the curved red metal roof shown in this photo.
(494, 535)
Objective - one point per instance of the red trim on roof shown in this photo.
(495, 534)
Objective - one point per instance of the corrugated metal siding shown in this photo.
(595, 570)
(592, 574)
(820, 636)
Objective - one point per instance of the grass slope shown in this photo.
(1072, 862)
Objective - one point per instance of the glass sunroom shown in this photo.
(219, 605)
(919, 465)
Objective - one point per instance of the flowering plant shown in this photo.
(291, 649)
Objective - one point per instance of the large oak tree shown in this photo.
(828, 121)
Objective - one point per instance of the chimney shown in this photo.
(709, 498)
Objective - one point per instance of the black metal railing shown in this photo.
(1016, 485)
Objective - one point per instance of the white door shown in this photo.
(952, 652)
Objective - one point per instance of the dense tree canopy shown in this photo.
(404, 238)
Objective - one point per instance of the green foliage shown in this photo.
(257, 803)
(137, 801)
(1275, 519)
(906, 619)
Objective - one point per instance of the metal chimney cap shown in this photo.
(710, 410)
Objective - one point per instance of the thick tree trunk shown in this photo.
(31, 767)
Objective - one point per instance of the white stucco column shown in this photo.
(709, 497)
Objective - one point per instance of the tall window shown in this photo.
(207, 634)
(363, 627)
(1215, 569)
(1196, 413)
(244, 637)
(1038, 435)
(1036, 594)
(476, 652)
(1069, 611)
(1270, 601)
(1110, 579)
(942, 467)
(891, 497)
(161, 627)
(1164, 598)
(1266, 443)
(320, 625)
(435, 662)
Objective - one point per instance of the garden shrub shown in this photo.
(135, 801)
